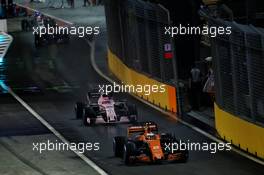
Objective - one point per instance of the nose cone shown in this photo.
(156, 150)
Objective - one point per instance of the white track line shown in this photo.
(45, 123)
(56, 133)
(173, 116)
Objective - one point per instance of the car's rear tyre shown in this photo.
(129, 150)
(133, 114)
(24, 25)
(168, 139)
(66, 39)
(185, 156)
(89, 117)
(118, 145)
(185, 159)
(37, 41)
(79, 110)
(93, 120)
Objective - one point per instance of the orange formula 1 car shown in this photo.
(144, 144)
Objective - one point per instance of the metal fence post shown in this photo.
(174, 62)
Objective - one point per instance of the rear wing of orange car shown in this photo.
(140, 127)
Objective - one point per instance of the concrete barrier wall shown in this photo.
(165, 100)
(243, 134)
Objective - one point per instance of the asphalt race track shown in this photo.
(60, 75)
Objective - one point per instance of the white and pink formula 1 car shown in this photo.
(103, 107)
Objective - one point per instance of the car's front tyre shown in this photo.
(89, 117)
(118, 145)
(129, 150)
(79, 110)
(133, 114)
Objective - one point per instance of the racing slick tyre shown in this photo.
(79, 110)
(185, 156)
(170, 139)
(118, 145)
(89, 117)
(24, 25)
(66, 39)
(129, 150)
(166, 139)
(133, 114)
(37, 41)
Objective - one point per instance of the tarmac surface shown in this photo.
(61, 74)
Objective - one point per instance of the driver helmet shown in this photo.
(37, 14)
(150, 136)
